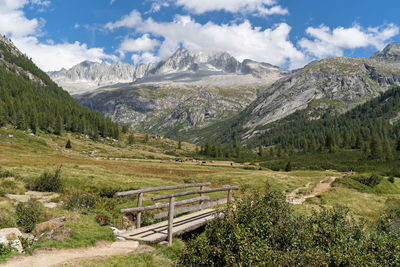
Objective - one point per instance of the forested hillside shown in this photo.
(373, 125)
(30, 99)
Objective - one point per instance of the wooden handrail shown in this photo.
(165, 205)
(180, 194)
(160, 188)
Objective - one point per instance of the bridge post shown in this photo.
(201, 202)
(139, 214)
(229, 199)
(171, 211)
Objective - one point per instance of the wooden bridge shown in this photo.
(172, 227)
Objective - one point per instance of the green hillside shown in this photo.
(30, 99)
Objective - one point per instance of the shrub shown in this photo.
(68, 144)
(288, 167)
(5, 173)
(27, 215)
(370, 181)
(48, 182)
(391, 179)
(102, 219)
(5, 250)
(264, 231)
(80, 201)
(108, 191)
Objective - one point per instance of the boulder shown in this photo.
(51, 225)
(10, 233)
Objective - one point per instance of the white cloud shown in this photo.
(156, 6)
(325, 42)
(12, 20)
(49, 56)
(142, 44)
(112, 2)
(144, 58)
(126, 21)
(240, 40)
(258, 7)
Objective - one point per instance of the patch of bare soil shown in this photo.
(321, 187)
(54, 257)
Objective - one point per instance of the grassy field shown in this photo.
(90, 167)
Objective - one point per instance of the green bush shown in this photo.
(391, 179)
(5, 173)
(27, 215)
(5, 250)
(80, 201)
(371, 180)
(48, 182)
(108, 191)
(264, 231)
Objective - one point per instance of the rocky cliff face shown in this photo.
(328, 85)
(182, 66)
(391, 53)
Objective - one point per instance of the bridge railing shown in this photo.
(172, 203)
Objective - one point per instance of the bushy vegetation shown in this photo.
(80, 201)
(263, 231)
(27, 215)
(5, 173)
(48, 182)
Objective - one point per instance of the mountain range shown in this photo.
(198, 95)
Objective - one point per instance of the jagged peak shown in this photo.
(390, 53)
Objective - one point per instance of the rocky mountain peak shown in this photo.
(390, 53)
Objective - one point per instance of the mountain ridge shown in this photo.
(183, 66)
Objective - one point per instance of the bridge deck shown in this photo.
(159, 232)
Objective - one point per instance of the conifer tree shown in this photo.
(131, 139)
(68, 145)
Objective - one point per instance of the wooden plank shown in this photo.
(159, 232)
(164, 205)
(192, 208)
(180, 194)
(139, 215)
(160, 188)
(170, 219)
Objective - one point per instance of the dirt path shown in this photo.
(54, 257)
(319, 188)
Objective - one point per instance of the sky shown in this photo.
(288, 33)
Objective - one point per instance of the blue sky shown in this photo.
(287, 33)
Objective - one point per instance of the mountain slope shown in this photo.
(183, 66)
(30, 99)
(188, 91)
(327, 86)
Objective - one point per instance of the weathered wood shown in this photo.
(159, 232)
(192, 208)
(170, 219)
(164, 205)
(139, 214)
(201, 188)
(180, 194)
(160, 188)
(229, 196)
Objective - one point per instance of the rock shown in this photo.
(163, 243)
(10, 233)
(16, 243)
(62, 233)
(50, 225)
(125, 244)
(50, 205)
(3, 239)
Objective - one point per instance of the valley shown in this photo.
(325, 137)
